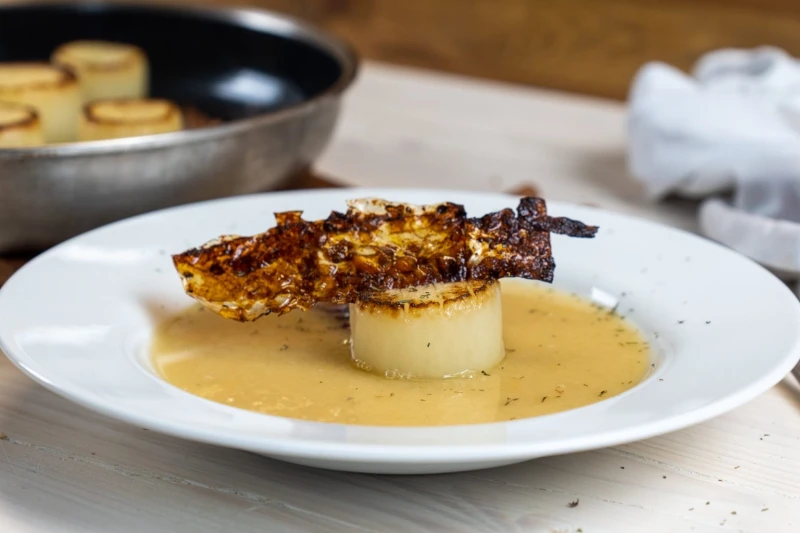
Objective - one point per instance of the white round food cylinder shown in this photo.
(51, 90)
(20, 126)
(429, 332)
(128, 117)
(106, 69)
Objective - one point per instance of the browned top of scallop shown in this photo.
(374, 246)
(16, 116)
(24, 76)
(98, 56)
(129, 111)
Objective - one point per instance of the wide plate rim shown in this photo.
(403, 453)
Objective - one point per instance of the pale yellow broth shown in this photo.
(562, 353)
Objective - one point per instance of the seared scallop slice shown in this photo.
(128, 117)
(106, 69)
(51, 90)
(429, 332)
(20, 126)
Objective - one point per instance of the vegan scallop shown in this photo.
(20, 126)
(128, 117)
(106, 69)
(429, 332)
(52, 91)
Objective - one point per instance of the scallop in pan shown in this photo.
(52, 90)
(20, 126)
(128, 117)
(106, 69)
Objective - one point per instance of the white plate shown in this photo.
(78, 319)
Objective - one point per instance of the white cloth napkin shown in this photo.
(732, 125)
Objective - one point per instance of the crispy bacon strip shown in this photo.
(374, 246)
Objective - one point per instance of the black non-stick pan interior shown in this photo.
(203, 59)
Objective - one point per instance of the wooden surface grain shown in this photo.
(586, 46)
(66, 469)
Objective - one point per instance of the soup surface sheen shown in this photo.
(561, 353)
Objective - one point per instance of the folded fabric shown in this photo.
(733, 125)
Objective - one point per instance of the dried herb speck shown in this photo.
(284, 347)
(602, 393)
(574, 504)
(485, 373)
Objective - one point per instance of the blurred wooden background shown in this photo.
(587, 46)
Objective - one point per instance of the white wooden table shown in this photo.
(65, 469)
